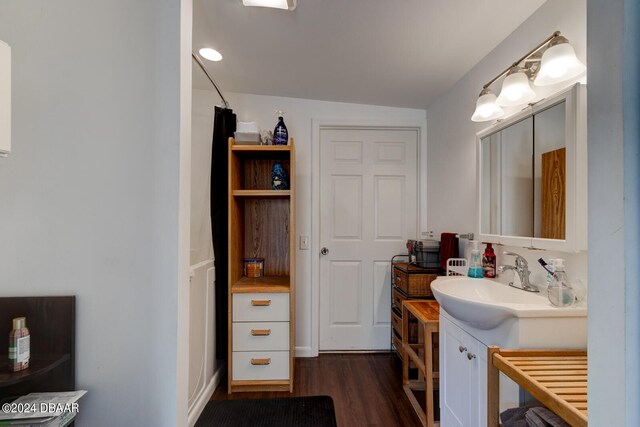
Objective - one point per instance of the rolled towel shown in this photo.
(542, 417)
(448, 248)
(514, 417)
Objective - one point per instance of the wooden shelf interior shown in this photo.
(262, 151)
(267, 234)
(262, 284)
(259, 217)
(263, 194)
(257, 171)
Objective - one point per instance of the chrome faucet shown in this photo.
(521, 267)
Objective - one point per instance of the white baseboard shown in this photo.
(205, 396)
(305, 352)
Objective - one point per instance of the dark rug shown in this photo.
(312, 411)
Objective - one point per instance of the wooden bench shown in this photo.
(557, 378)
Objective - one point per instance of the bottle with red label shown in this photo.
(489, 262)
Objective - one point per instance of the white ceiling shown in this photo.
(402, 53)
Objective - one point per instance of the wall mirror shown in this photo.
(532, 176)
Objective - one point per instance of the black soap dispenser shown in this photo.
(280, 133)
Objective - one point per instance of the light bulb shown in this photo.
(516, 89)
(210, 54)
(277, 4)
(556, 68)
(559, 63)
(486, 107)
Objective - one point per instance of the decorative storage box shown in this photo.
(412, 280)
(427, 253)
(247, 133)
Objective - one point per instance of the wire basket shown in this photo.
(457, 267)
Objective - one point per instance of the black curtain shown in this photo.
(224, 125)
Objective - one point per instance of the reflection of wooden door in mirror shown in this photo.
(553, 194)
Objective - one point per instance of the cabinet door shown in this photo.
(455, 377)
(478, 404)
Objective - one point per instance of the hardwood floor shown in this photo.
(366, 388)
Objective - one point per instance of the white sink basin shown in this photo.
(485, 304)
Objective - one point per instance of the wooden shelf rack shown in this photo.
(557, 378)
(261, 225)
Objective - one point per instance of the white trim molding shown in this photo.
(198, 406)
(305, 351)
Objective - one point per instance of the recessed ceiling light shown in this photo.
(278, 4)
(210, 54)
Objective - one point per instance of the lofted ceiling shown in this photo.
(402, 53)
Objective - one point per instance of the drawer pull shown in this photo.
(261, 302)
(260, 332)
(261, 361)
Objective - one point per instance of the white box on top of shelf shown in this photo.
(5, 99)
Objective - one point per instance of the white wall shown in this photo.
(614, 217)
(298, 116)
(89, 196)
(451, 140)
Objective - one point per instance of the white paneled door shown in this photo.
(368, 209)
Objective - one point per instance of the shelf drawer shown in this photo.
(260, 365)
(265, 336)
(397, 343)
(396, 323)
(261, 307)
(397, 299)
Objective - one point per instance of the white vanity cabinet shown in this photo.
(463, 396)
(478, 313)
(463, 378)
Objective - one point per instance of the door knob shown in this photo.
(471, 356)
(461, 349)
(324, 251)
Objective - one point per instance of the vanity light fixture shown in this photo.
(559, 62)
(516, 89)
(552, 61)
(277, 4)
(210, 54)
(487, 107)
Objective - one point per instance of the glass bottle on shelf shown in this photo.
(280, 133)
